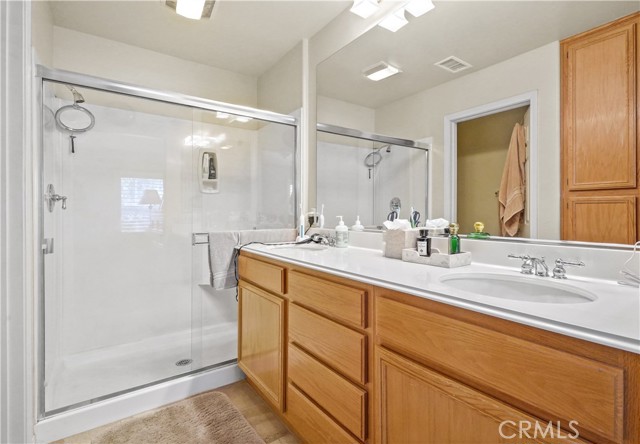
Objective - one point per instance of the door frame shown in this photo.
(451, 150)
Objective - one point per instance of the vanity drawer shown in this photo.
(339, 397)
(341, 302)
(336, 345)
(551, 383)
(268, 276)
(311, 422)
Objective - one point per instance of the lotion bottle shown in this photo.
(342, 234)
(454, 239)
(358, 225)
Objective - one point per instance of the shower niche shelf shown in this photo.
(209, 172)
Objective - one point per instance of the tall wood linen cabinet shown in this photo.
(600, 136)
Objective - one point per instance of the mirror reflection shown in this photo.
(502, 57)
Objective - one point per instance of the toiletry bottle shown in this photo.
(321, 219)
(358, 225)
(454, 239)
(423, 244)
(301, 225)
(342, 234)
(479, 232)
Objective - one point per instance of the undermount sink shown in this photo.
(518, 288)
(311, 246)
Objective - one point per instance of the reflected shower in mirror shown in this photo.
(370, 177)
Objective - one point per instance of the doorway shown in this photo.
(474, 152)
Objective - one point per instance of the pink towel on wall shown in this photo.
(512, 186)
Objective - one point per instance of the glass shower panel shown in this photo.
(360, 177)
(118, 268)
(244, 179)
(346, 169)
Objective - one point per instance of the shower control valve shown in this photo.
(51, 198)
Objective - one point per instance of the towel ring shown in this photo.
(75, 107)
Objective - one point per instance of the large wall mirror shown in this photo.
(503, 60)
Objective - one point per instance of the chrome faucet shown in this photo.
(559, 272)
(532, 265)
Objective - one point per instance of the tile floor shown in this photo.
(267, 423)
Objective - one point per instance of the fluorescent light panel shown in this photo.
(364, 8)
(191, 9)
(394, 21)
(380, 71)
(419, 7)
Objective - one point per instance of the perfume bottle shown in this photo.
(479, 232)
(454, 239)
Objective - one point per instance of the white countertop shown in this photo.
(613, 319)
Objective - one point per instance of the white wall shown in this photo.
(42, 32)
(338, 112)
(280, 87)
(84, 53)
(422, 115)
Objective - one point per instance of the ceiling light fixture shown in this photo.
(192, 9)
(419, 7)
(364, 8)
(394, 21)
(221, 115)
(380, 70)
(242, 119)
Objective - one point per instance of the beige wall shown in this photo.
(337, 112)
(42, 32)
(482, 152)
(280, 87)
(84, 53)
(422, 115)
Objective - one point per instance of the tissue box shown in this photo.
(397, 240)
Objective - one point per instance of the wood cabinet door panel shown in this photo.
(261, 340)
(554, 384)
(420, 406)
(599, 110)
(610, 219)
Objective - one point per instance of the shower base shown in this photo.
(95, 374)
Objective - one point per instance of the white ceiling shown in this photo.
(243, 36)
(479, 32)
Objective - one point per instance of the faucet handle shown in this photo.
(527, 263)
(559, 272)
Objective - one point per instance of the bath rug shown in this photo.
(208, 418)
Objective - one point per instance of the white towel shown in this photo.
(222, 251)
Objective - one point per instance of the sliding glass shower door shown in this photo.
(126, 183)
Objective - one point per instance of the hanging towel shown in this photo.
(222, 251)
(511, 195)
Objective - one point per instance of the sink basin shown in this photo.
(312, 247)
(518, 288)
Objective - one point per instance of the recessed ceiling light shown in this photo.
(221, 115)
(364, 8)
(419, 7)
(394, 21)
(380, 71)
(242, 119)
(193, 9)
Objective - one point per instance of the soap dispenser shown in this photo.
(342, 234)
(358, 225)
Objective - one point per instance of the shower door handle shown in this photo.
(51, 198)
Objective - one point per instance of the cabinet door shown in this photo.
(610, 219)
(417, 405)
(599, 109)
(261, 341)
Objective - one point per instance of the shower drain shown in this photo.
(182, 362)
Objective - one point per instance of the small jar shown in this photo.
(423, 243)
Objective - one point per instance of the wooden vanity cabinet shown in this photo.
(345, 362)
(600, 133)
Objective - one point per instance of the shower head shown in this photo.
(77, 97)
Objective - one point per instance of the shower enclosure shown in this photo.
(361, 174)
(125, 296)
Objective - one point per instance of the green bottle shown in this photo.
(454, 239)
(479, 232)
